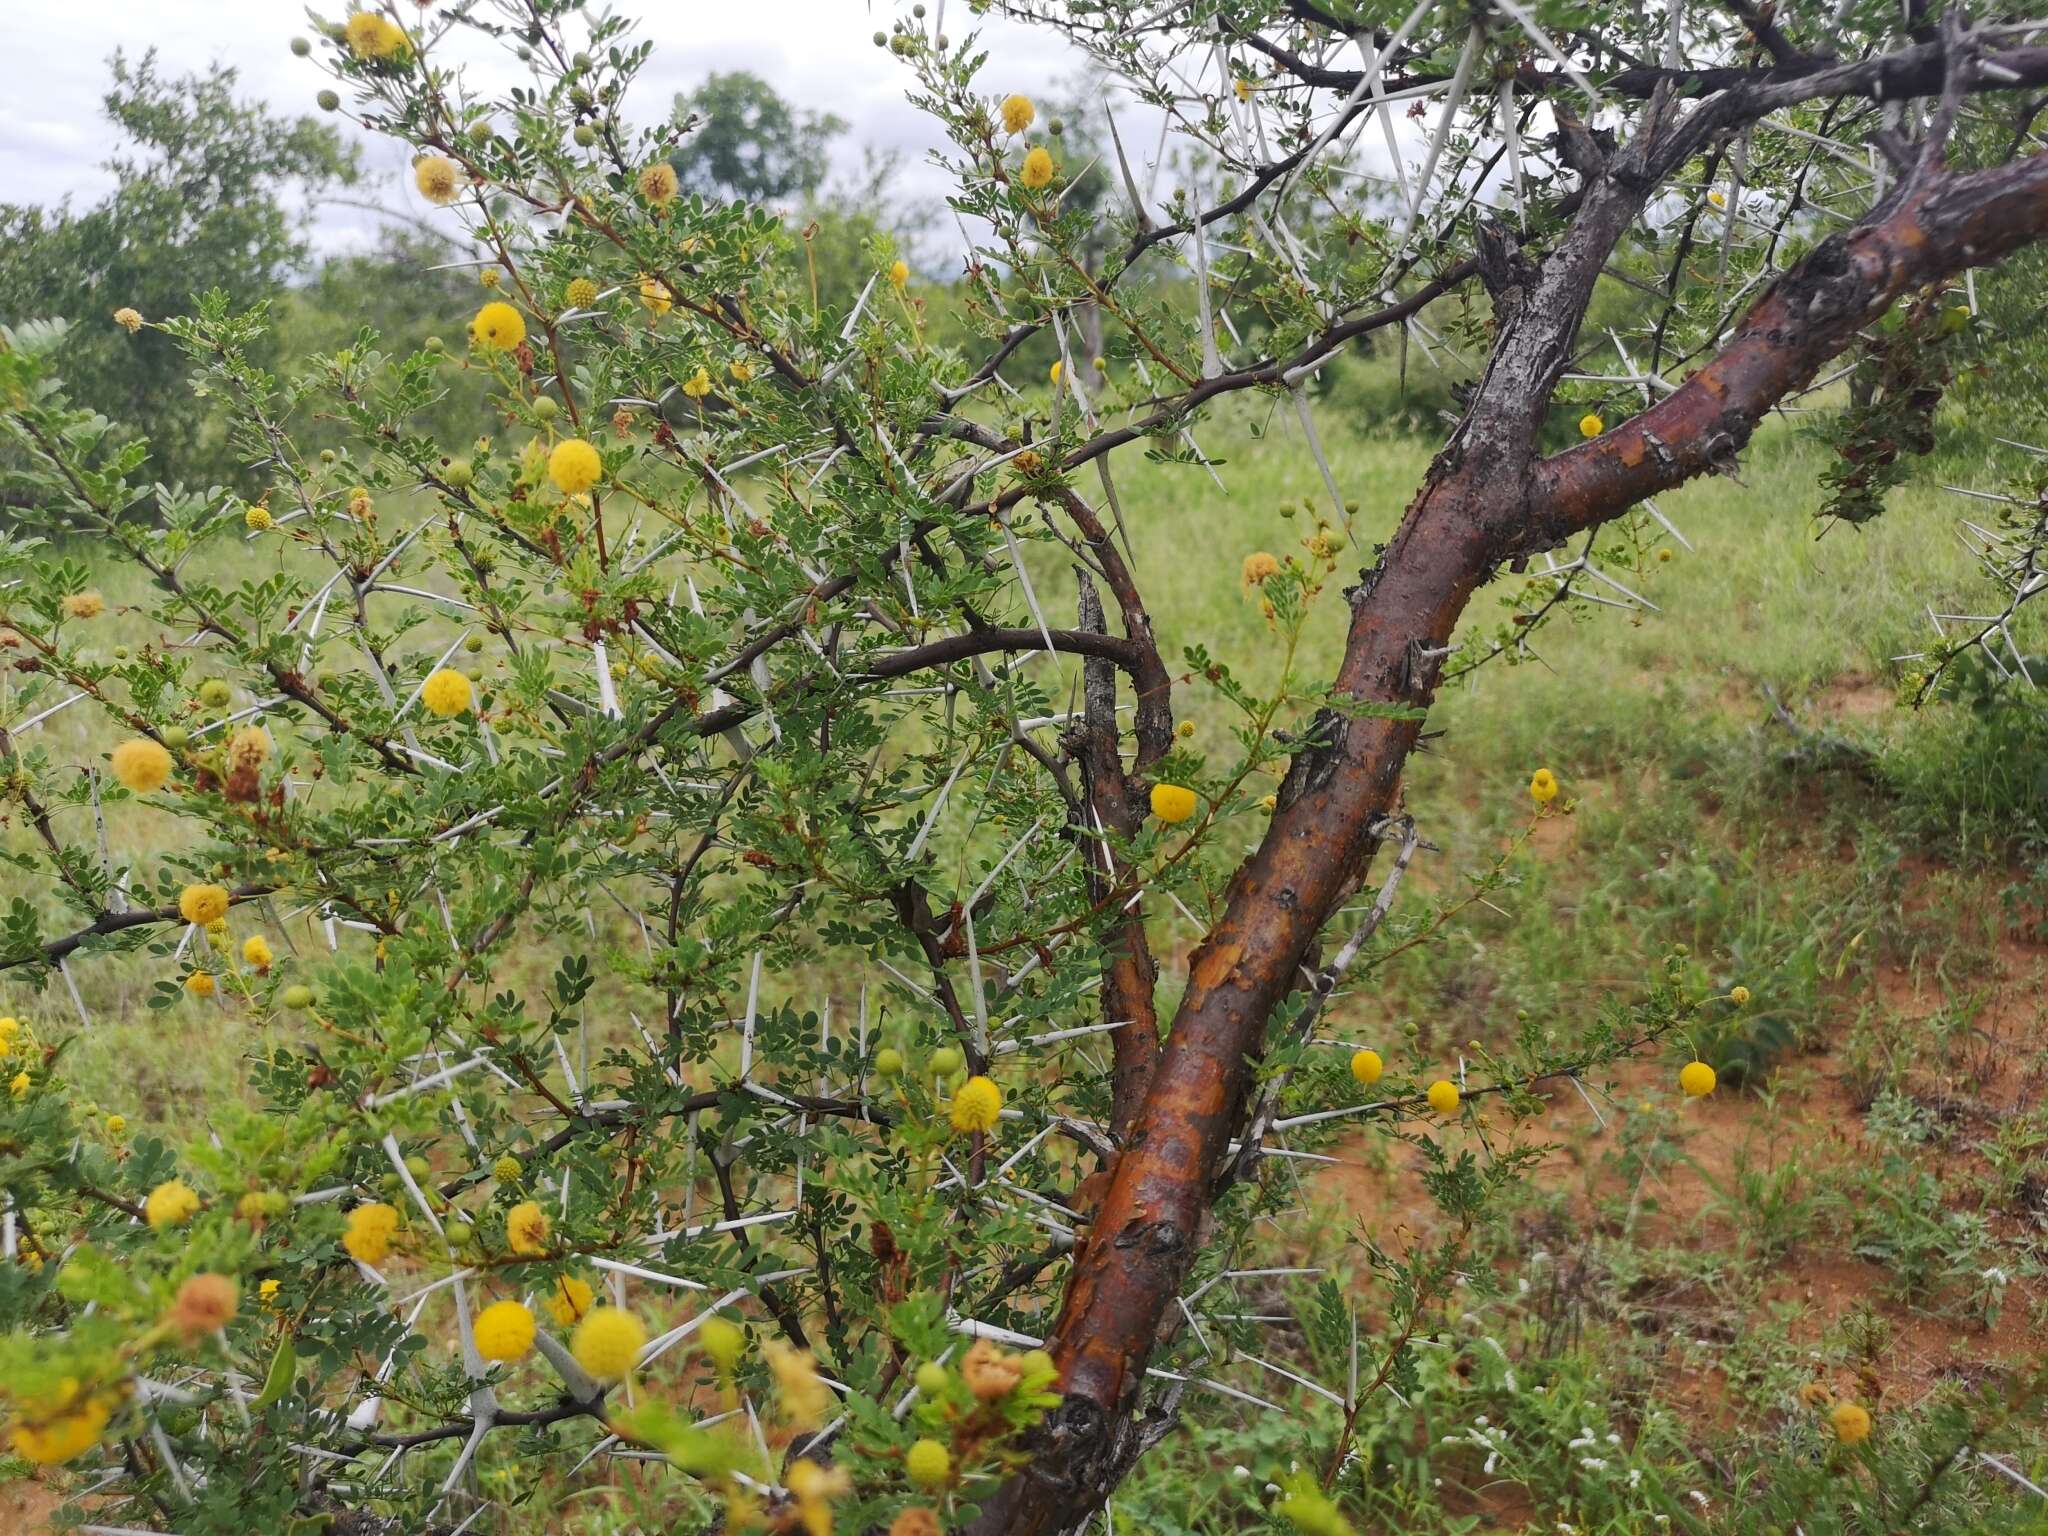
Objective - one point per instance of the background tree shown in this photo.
(742, 141)
(212, 190)
(742, 624)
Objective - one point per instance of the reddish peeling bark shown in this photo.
(1486, 500)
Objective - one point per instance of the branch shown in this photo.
(1947, 223)
(118, 922)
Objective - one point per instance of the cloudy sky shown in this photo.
(819, 53)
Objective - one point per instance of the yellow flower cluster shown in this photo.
(1443, 1096)
(658, 184)
(446, 692)
(1543, 786)
(1018, 113)
(141, 765)
(1173, 803)
(84, 605)
(526, 1229)
(574, 466)
(977, 1106)
(130, 320)
(68, 1425)
(1038, 168)
(569, 1300)
(581, 293)
(498, 327)
(368, 1232)
(371, 36)
(203, 904)
(608, 1342)
(438, 178)
(171, 1204)
(504, 1331)
(1259, 567)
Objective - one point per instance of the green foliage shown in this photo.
(212, 191)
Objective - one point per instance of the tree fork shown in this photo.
(1483, 502)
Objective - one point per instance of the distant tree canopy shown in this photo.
(212, 192)
(748, 143)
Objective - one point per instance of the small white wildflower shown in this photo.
(1593, 1463)
(1698, 1498)
(1240, 1471)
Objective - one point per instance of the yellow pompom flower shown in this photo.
(141, 765)
(256, 518)
(368, 1232)
(569, 1300)
(66, 1429)
(249, 747)
(9, 1028)
(200, 983)
(977, 1106)
(1366, 1066)
(899, 272)
(203, 904)
(266, 1294)
(658, 184)
(574, 466)
(84, 605)
(1739, 996)
(698, 384)
(371, 36)
(1058, 368)
(608, 1342)
(1038, 168)
(1543, 786)
(438, 178)
(19, 1085)
(1697, 1079)
(929, 1464)
(503, 1331)
(130, 320)
(1443, 1096)
(654, 293)
(581, 293)
(527, 1228)
(723, 1343)
(1591, 425)
(446, 692)
(117, 1126)
(1850, 1422)
(1172, 803)
(256, 952)
(1018, 113)
(170, 1204)
(1259, 567)
(1243, 87)
(498, 327)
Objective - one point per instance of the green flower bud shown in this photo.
(329, 101)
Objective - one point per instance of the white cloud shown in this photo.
(819, 53)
